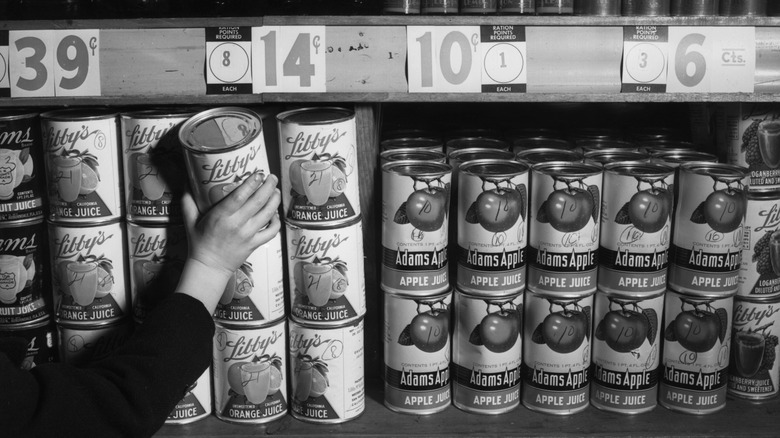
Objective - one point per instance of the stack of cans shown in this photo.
(327, 297)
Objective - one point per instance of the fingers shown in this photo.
(267, 212)
(260, 198)
(239, 197)
(266, 234)
(190, 211)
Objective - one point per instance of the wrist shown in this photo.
(203, 282)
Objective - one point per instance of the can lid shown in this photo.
(543, 155)
(72, 114)
(7, 115)
(22, 222)
(411, 142)
(639, 169)
(542, 142)
(476, 142)
(495, 168)
(315, 116)
(606, 156)
(721, 170)
(161, 113)
(568, 168)
(220, 129)
(417, 168)
(412, 154)
(591, 144)
(470, 154)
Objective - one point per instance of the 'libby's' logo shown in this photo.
(58, 139)
(307, 248)
(744, 315)
(771, 217)
(304, 145)
(244, 347)
(68, 246)
(142, 137)
(225, 170)
(327, 349)
(144, 245)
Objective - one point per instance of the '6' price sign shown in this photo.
(288, 59)
(444, 59)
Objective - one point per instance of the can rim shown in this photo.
(763, 195)
(232, 325)
(770, 299)
(194, 121)
(28, 325)
(490, 143)
(95, 113)
(390, 153)
(319, 326)
(707, 168)
(605, 143)
(547, 142)
(639, 168)
(632, 295)
(21, 222)
(287, 117)
(93, 325)
(586, 169)
(159, 113)
(410, 142)
(435, 168)
(703, 295)
(467, 167)
(499, 154)
(337, 226)
(406, 296)
(87, 224)
(482, 296)
(532, 155)
(559, 296)
(7, 115)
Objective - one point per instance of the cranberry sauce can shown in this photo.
(415, 221)
(546, 155)
(22, 182)
(24, 283)
(759, 272)
(80, 345)
(83, 165)
(556, 352)
(411, 154)
(487, 346)
(325, 268)
(626, 351)
(417, 353)
(563, 245)
(636, 227)
(250, 373)
(196, 403)
(754, 372)
(156, 256)
(607, 156)
(222, 147)
(88, 267)
(492, 227)
(697, 337)
(753, 141)
(706, 249)
(328, 382)
(153, 164)
(320, 185)
(41, 338)
(439, 7)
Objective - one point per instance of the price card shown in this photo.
(289, 59)
(77, 62)
(504, 57)
(645, 50)
(228, 60)
(444, 59)
(711, 59)
(31, 63)
(5, 88)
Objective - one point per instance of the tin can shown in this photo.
(743, 8)
(156, 256)
(22, 184)
(492, 227)
(439, 7)
(556, 353)
(626, 352)
(474, 142)
(328, 382)
(601, 8)
(697, 8)
(545, 155)
(417, 353)
(706, 249)
(759, 272)
(753, 371)
(196, 403)
(222, 147)
(254, 294)
(419, 143)
(636, 227)
(411, 154)
(88, 267)
(753, 141)
(522, 144)
(250, 373)
(406, 7)
(554, 7)
(24, 285)
(646, 8)
(83, 165)
(415, 203)
(153, 164)
(590, 144)
(487, 346)
(607, 156)
(524, 7)
(41, 339)
(458, 156)
(676, 158)
(565, 211)
(697, 336)
(478, 6)
(81, 345)
(325, 268)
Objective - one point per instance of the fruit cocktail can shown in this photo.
(196, 403)
(41, 337)
(81, 345)
(328, 382)
(492, 236)
(753, 141)
(250, 373)
(320, 178)
(24, 283)
(706, 249)
(759, 272)
(487, 347)
(695, 360)
(83, 165)
(626, 351)
(22, 181)
(556, 352)
(417, 353)
(754, 372)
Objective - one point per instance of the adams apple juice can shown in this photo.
(81, 345)
(556, 352)
(320, 184)
(626, 351)
(759, 272)
(22, 182)
(250, 373)
(487, 346)
(754, 373)
(753, 141)
(492, 227)
(83, 165)
(24, 284)
(328, 381)
(417, 353)
(706, 249)
(565, 213)
(415, 221)
(196, 403)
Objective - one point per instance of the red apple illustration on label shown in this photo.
(310, 377)
(429, 331)
(624, 330)
(564, 331)
(239, 285)
(498, 209)
(257, 379)
(569, 209)
(697, 329)
(649, 209)
(498, 331)
(724, 209)
(426, 208)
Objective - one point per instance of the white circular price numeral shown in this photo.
(504, 63)
(645, 63)
(229, 62)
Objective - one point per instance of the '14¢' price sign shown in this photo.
(288, 59)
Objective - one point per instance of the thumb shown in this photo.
(189, 211)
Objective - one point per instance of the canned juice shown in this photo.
(41, 340)
(556, 353)
(753, 141)
(517, 6)
(250, 373)
(753, 372)
(406, 7)
(478, 6)
(81, 345)
(196, 403)
(486, 352)
(417, 353)
(24, 285)
(759, 272)
(328, 384)
(439, 7)
(697, 336)
(565, 213)
(22, 184)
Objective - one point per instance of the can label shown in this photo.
(486, 352)
(401, 6)
(250, 373)
(88, 272)
(417, 353)
(753, 371)
(82, 158)
(195, 404)
(327, 362)
(21, 168)
(478, 6)
(325, 268)
(626, 352)
(157, 255)
(255, 292)
(636, 222)
(759, 272)
(753, 141)
(556, 353)
(439, 6)
(24, 285)
(41, 343)
(80, 346)
(696, 352)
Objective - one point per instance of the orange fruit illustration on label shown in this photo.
(256, 379)
(311, 378)
(319, 178)
(88, 278)
(239, 285)
(75, 173)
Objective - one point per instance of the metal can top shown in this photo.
(411, 142)
(632, 295)
(722, 170)
(759, 299)
(476, 142)
(661, 145)
(639, 169)
(470, 154)
(605, 156)
(597, 133)
(544, 155)
(763, 196)
(417, 168)
(17, 114)
(568, 168)
(672, 151)
(590, 144)
(411, 154)
(160, 113)
(492, 167)
(21, 222)
(703, 295)
(90, 224)
(683, 157)
(315, 116)
(645, 134)
(220, 129)
(542, 142)
(473, 133)
(71, 114)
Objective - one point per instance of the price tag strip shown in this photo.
(645, 63)
(289, 59)
(5, 87)
(229, 60)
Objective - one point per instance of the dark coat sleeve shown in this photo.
(129, 393)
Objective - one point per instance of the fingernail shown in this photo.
(258, 176)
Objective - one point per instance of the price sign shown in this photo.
(77, 63)
(289, 59)
(711, 59)
(5, 88)
(504, 57)
(444, 59)
(31, 63)
(228, 60)
(645, 59)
